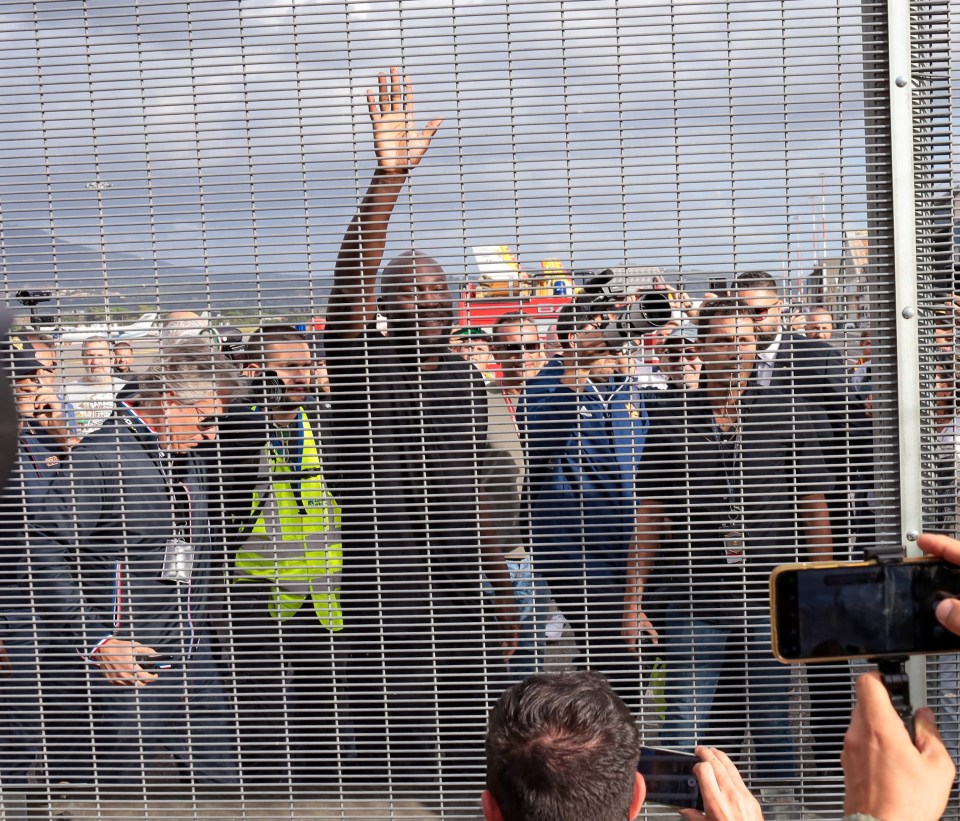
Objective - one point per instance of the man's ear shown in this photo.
(250, 370)
(639, 793)
(491, 809)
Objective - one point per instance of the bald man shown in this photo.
(409, 425)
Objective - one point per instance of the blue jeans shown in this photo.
(694, 651)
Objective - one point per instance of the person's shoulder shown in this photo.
(810, 347)
(547, 380)
(675, 405)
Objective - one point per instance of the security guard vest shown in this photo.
(294, 542)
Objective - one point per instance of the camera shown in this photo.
(637, 312)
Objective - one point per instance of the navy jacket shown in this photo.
(98, 539)
(583, 450)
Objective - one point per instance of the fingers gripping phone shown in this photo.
(669, 777)
(831, 611)
(154, 663)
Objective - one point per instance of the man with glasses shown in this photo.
(519, 352)
(120, 559)
(731, 485)
(811, 373)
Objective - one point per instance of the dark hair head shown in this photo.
(562, 747)
(714, 308)
(579, 312)
(255, 349)
(509, 319)
(754, 281)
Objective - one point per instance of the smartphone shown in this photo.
(154, 663)
(831, 611)
(669, 777)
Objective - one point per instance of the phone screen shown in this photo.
(669, 777)
(862, 610)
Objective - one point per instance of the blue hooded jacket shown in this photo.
(583, 450)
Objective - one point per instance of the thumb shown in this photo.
(928, 738)
(948, 614)
(692, 815)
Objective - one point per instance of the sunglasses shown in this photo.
(519, 347)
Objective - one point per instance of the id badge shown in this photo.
(177, 562)
(733, 546)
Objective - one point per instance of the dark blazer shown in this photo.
(98, 537)
(812, 371)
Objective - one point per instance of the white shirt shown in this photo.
(767, 359)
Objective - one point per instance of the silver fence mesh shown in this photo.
(350, 397)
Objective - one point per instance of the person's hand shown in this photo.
(117, 659)
(885, 775)
(398, 144)
(635, 622)
(6, 668)
(725, 796)
(948, 549)
(50, 414)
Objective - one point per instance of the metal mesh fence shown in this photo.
(343, 413)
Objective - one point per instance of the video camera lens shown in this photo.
(651, 310)
(648, 310)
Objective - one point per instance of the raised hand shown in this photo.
(398, 143)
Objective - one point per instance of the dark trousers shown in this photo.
(185, 711)
(21, 726)
(831, 702)
(292, 708)
(419, 699)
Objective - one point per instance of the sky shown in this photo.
(232, 138)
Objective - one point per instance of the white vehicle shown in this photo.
(146, 325)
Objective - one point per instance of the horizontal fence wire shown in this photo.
(351, 397)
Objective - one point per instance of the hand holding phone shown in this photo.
(669, 777)
(725, 796)
(120, 662)
(830, 611)
(885, 774)
(154, 662)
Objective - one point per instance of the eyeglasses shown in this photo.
(208, 423)
(519, 347)
(205, 424)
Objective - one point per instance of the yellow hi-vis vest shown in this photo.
(295, 541)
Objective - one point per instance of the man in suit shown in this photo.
(811, 371)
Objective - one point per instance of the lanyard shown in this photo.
(731, 460)
(288, 451)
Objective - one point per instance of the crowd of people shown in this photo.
(317, 558)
